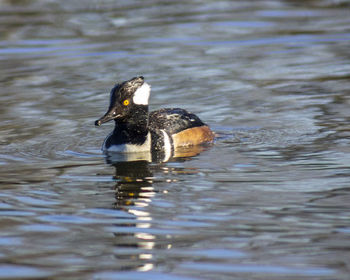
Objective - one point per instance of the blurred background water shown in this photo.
(269, 200)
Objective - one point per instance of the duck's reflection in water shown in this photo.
(139, 236)
(133, 194)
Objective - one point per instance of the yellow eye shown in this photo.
(126, 102)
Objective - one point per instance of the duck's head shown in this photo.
(124, 98)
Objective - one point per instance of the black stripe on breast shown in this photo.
(157, 140)
(159, 151)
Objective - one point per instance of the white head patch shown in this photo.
(141, 95)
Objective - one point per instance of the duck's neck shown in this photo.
(133, 130)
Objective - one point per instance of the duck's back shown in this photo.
(183, 127)
(173, 120)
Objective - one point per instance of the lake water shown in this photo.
(269, 200)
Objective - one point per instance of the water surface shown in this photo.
(269, 200)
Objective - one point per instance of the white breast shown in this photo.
(130, 148)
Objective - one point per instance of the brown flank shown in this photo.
(193, 136)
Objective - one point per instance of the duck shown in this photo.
(138, 130)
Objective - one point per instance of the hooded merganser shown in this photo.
(137, 130)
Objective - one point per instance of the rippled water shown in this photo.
(269, 200)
